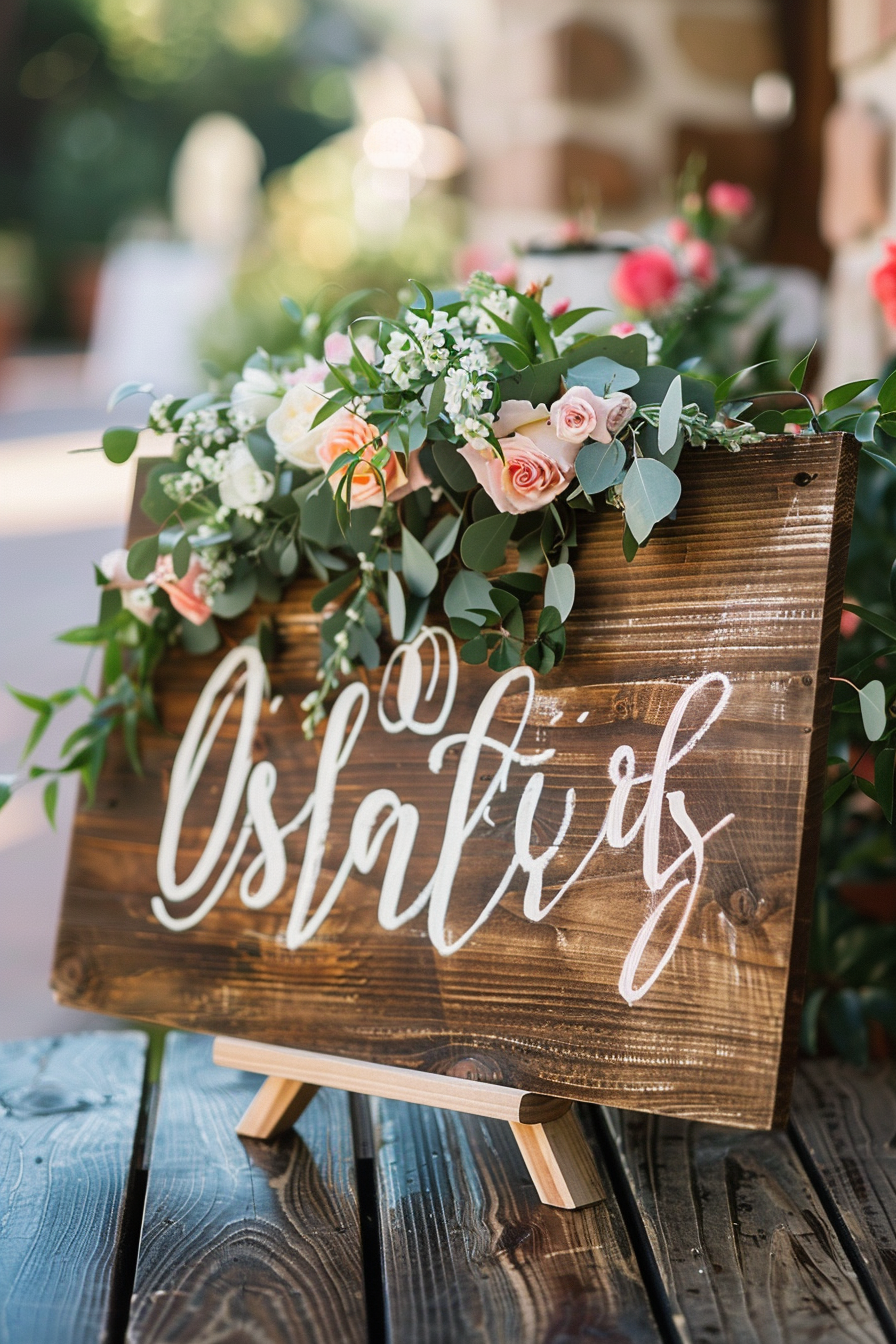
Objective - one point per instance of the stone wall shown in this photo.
(571, 103)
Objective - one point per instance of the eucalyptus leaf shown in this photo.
(670, 416)
(560, 589)
(866, 425)
(602, 376)
(599, 465)
(142, 557)
(180, 557)
(873, 704)
(468, 594)
(119, 444)
(650, 492)
(199, 639)
(886, 397)
(125, 390)
(455, 469)
(236, 598)
(440, 541)
(483, 544)
(420, 570)
(397, 609)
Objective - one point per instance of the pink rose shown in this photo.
(730, 200)
(646, 280)
(559, 308)
(623, 329)
(188, 595)
(679, 231)
(350, 433)
(883, 283)
(574, 417)
(527, 478)
(849, 622)
(538, 465)
(338, 348)
(700, 260)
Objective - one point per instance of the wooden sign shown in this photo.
(594, 885)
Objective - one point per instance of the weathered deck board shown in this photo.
(470, 1256)
(744, 1249)
(68, 1115)
(246, 1241)
(846, 1121)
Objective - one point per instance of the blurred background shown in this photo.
(170, 169)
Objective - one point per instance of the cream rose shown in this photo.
(290, 427)
(243, 482)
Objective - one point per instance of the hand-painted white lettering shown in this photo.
(382, 814)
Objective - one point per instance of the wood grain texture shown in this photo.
(560, 1162)
(744, 1249)
(748, 582)
(68, 1115)
(379, 1080)
(245, 1240)
(275, 1108)
(845, 1118)
(471, 1256)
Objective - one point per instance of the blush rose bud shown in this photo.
(580, 414)
(730, 200)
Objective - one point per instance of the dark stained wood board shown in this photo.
(746, 582)
(470, 1253)
(744, 1248)
(69, 1109)
(844, 1119)
(245, 1240)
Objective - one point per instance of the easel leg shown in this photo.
(560, 1162)
(275, 1108)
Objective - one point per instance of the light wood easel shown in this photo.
(550, 1138)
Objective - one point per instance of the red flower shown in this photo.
(883, 284)
(646, 280)
(559, 308)
(730, 200)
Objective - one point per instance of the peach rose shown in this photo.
(187, 594)
(537, 466)
(350, 433)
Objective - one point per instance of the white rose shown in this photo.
(256, 394)
(290, 427)
(138, 601)
(243, 482)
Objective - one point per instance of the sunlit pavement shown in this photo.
(59, 511)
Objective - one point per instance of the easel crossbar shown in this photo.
(385, 1080)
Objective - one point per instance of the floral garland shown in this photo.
(441, 459)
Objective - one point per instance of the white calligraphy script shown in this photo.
(383, 814)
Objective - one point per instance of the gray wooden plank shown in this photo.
(246, 1241)
(845, 1121)
(471, 1256)
(745, 1251)
(69, 1109)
